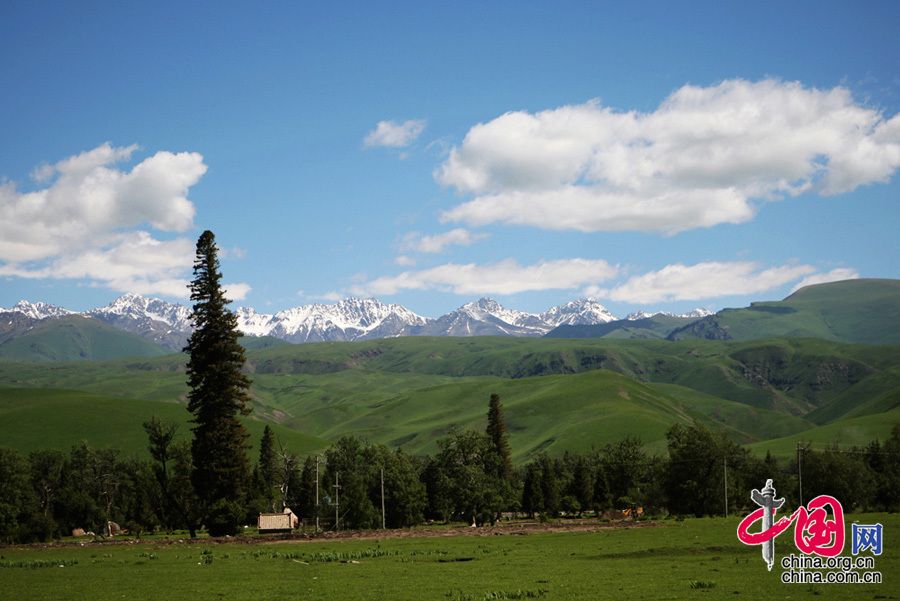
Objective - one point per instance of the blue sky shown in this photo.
(651, 155)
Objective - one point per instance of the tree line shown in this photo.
(48, 493)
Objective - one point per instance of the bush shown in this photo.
(224, 518)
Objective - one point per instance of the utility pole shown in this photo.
(800, 469)
(317, 494)
(725, 466)
(382, 500)
(337, 498)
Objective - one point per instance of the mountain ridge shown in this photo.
(865, 311)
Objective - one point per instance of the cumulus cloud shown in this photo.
(835, 275)
(678, 282)
(404, 261)
(393, 134)
(92, 220)
(705, 156)
(437, 243)
(237, 291)
(503, 277)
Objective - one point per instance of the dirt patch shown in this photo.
(516, 528)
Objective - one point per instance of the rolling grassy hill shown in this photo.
(558, 394)
(862, 311)
(76, 338)
(56, 418)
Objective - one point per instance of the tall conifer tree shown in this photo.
(217, 396)
(496, 430)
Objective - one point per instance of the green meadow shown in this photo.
(690, 559)
(558, 394)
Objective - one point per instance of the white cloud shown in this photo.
(404, 261)
(236, 291)
(835, 275)
(81, 224)
(393, 134)
(439, 242)
(503, 277)
(678, 282)
(705, 156)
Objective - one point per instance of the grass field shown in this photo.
(558, 394)
(693, 559)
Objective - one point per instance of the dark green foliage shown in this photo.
(47, 471)
(289, 482)
(48, 494)
(625, 466)
(404, 494)
(601, 488)
(305, 503)
(550, 485)
(16, 498)
(532, 493)
(437, 489)
(173, 498)
(581, 487)
(884, 461)
(696, 475)
(496, 430)
(842, 475)
(266, 471)
(467, 464)
(217, 395)
(355, 508)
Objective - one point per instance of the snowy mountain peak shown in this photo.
(348, 319)
(38, 310)
(585, 311)
(139, 307)
(170, 325)
(641, 315)
(485, 307)
(694, 314)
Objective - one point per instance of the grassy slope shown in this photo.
(51, 418)
(77, 338)
(410, 391)
(861, 311)
(855, 431)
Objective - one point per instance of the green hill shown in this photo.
(54, 418)
(862, 311)
(76, 338)
(559, 394)
(855, 431)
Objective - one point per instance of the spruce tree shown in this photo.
(267, 467)
(496, 430)
(217, 396)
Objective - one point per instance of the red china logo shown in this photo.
(818, 535)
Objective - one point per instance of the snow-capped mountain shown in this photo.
(697, 313)
(349, 319)
(37, 310)
(484, 317)
(487, 317)
(140, 307)
(585, 311)
(166, 324)
(169, 324)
